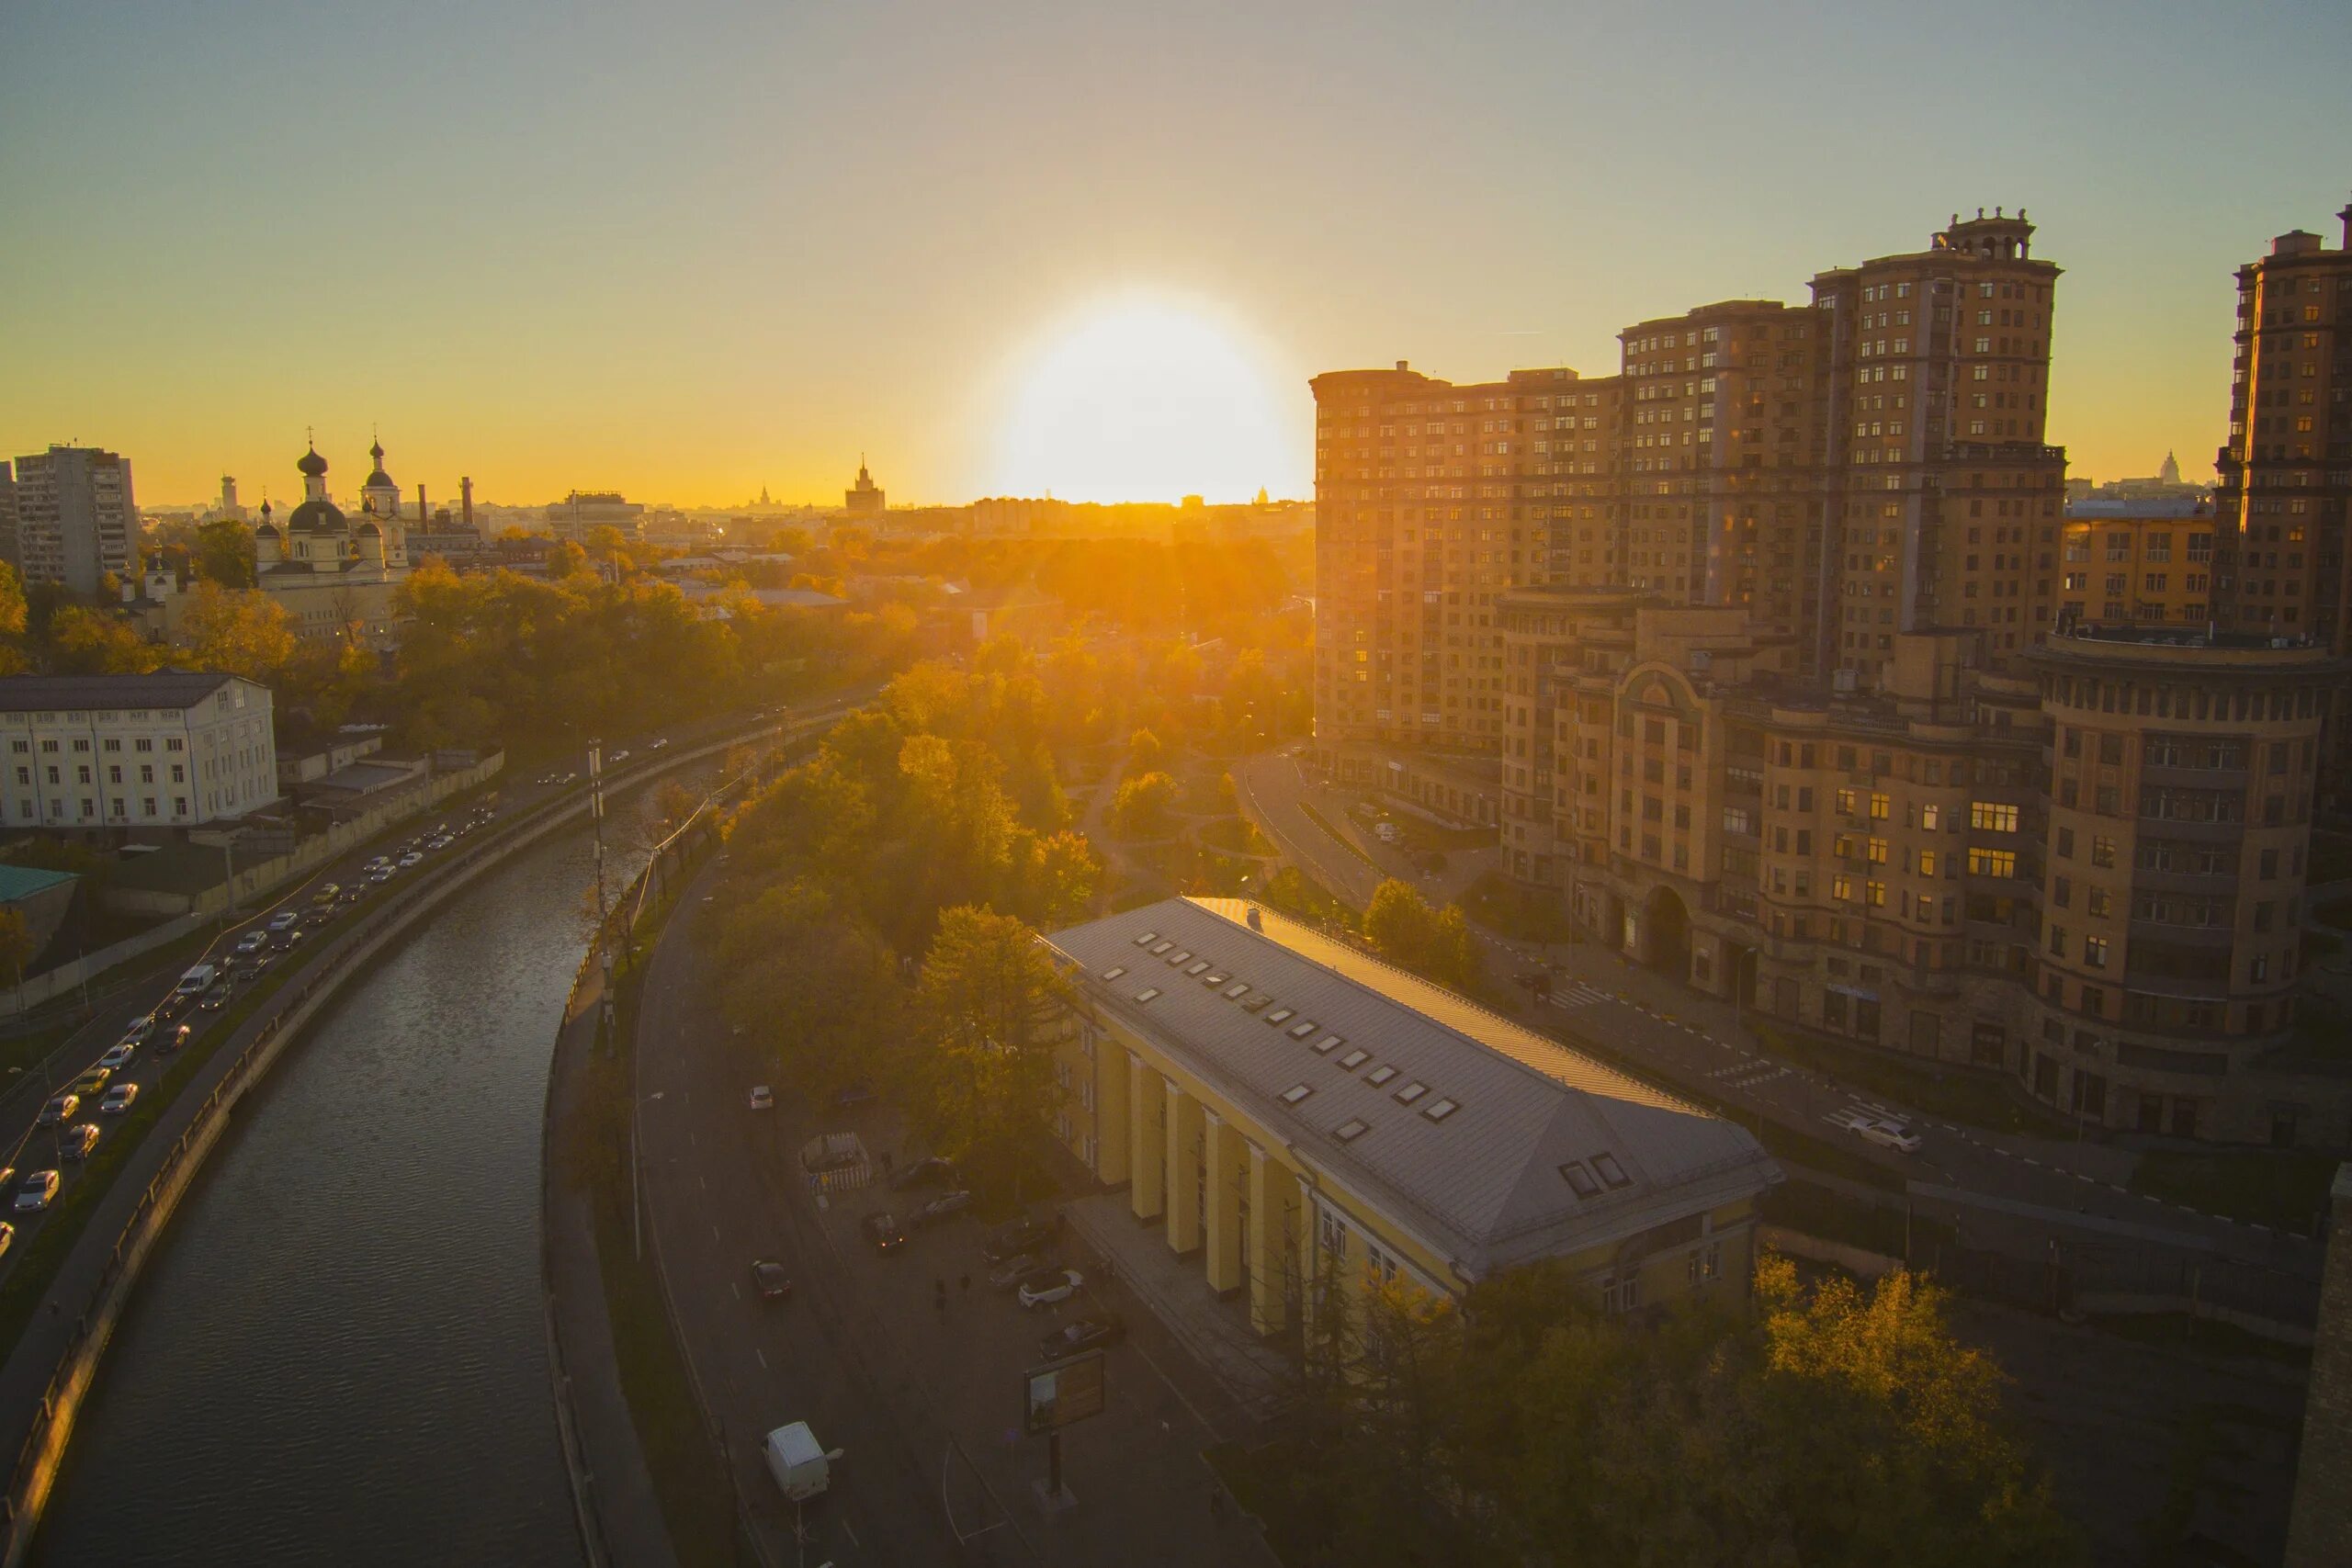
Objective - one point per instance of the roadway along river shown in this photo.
(338, 1356)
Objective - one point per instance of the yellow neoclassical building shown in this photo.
(1263, 1092)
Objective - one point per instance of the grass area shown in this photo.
(1233, 833)
(2283, 1188)
(19, 1053)
(1977, 1100)
(696, 1494)
(1524, 914)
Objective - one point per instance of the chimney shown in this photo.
(2344, 217)
(424, 512)
(466, 501)
(1404, 365)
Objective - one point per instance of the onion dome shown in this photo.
(317, 515)
(378, 479)
(310, 464)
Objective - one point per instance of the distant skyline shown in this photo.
(690, 251)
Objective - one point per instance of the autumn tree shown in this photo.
(1145, 752)
(991, 1008)
(82, 641)
(223, 553)
(16, 943)
(240, 631)
(1143, 809)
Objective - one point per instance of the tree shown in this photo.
(991, 1008)
(1142, 808)
(241, 631)
(1144, 753)
(223, 553)
(1399, 920)
(16, 943)
(95, 642)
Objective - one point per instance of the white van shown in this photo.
(799, 1466)
(198, 980)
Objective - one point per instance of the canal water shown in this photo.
(338, 1356)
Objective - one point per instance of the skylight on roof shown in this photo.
(1254, 1001)
(1580, 1179)
(1348, 1131)
(1610, 1171)
(1181, 956)
(1215, 978)
(1439, 1109)
(1411, 1092)
(1296, 1093)
(1354, 1059)
(1238, 989)
(1301, 1031)
(1162, 947)
(1198, 966)
(1281, 1015)
(1113, 972)
(1146, 939)
(1379, 1076)
(1147, 993)
(1330, 1044)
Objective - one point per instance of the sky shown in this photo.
(691, 250)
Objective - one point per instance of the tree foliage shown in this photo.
(1407, 932)
(1144, 807)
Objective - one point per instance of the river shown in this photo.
(338, 1355)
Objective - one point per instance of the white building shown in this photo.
(178, 749)
(75, 517)
(338, 580)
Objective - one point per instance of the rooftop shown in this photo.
(24, 881)
(163, 689)
(1495, 1144)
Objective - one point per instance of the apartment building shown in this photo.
(2086, 870)
(177, 748)
(76, 516)
(2137, 563)
(1298, 1118)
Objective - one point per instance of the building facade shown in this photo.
(2137, 563)
(863, 502)
(1305, 1119)
(581, 513)
(76, 517)
(336, 580)
(113, 754)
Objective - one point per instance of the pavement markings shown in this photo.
(738, 1285)
(714, 1233)
(1748, 1075)
(762, 1355)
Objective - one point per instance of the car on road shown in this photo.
(947, 1205)
(139, 1031)
(285, 920)
(1886, 1133)
(118, 1099)
(411, 859)
(1059, 1287)
(763, 1098)
(261, 961)
(252, 942)
(284, 941)
(171, 1006)
(318, 918)
(91, 1082)
(770, 1280)
(77, 1141)
(1082, 1334)
(618, 758)
(1012, 1240)
(217, 998)
(883, 1231)
(35, 1192)
(8, 1235)
(178, 1039)
(934, 1170)
(1025, 1269)
(657, 745)
(119, 1056)
(381, 875)
(57, 1110)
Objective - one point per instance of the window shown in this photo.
(1281, 1015)
(1301, 1031)
(2102, 850)
(1440, 1109)
(1349, 1131)
(1213, 978)
(1143, 940)
(1610, 1171)
(1379, 1076)
(1411, 1092)
(1198, 966)
(1329, 1044)
(1991, 816)
(1882, 807)
(1235, 991)
(1147, 993)
(1113, 972)
(1181, 956)
(1992, 862)
(2094, 953)
(1354, 1059)
(1296, 1093)
(1579, 1180)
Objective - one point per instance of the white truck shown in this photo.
(198, 980)
(799, 1466)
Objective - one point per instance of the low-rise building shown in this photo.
(177, 748)
(1303, 1116)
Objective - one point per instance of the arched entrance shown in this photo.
(1666, 932)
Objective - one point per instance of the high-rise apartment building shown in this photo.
(1872, 465)
(8, 548)
(2286, 473)
(2137, 563)
(76, 516)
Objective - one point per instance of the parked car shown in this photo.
(1059, 1287)
(1025, 1269)
(34, 1192)
(618, 757)
(657, 745)
(933, 1170)
(945, 1206)
(119, 1056)
(770, 1280)
(252, 942)
(1082, 1334)
(883, 1231)
(1012, 1240)
(118, 1099)
(1886, 1133)
(77, 1141)
(57, 1110)
(762, 1097)
(285, 920)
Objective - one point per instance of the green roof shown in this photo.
(24, 881)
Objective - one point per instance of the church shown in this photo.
(337, 578)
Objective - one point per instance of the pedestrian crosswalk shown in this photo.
(1749, 1075)
(1579, 995)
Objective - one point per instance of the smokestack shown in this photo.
(466, 501)
(423, 515)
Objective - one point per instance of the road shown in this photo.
(920, 1388)
(1701, 1044)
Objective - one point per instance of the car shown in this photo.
(849, 1097)
(119, 1056)
(284, 941)
(570, 779)
(171, 1006)
(657, 745)
(1887, 1132)
(261, 961)
(139, 1031)
(34, 1192)
(411, 859)
(8, 1235)
(328, 892)
(59, 1108)
(618, 757)
(1025, 1269)
(118, 1099)
(377, 863)
(252, 942)
(1058, 1287)
(91, 1082)
(381, 875)
(770, 1280)
(1012, 1240)
(176, 1041)
(763, 1098)
(934, 1171)
(77, 1141)
(1082, 1334)
(318, 918)
(945, 1206)
(215, 999)
(285, 920)
(883, 1231)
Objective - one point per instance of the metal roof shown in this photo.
(1498, 1180)
(163, 689)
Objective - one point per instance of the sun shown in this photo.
(1146, 398)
